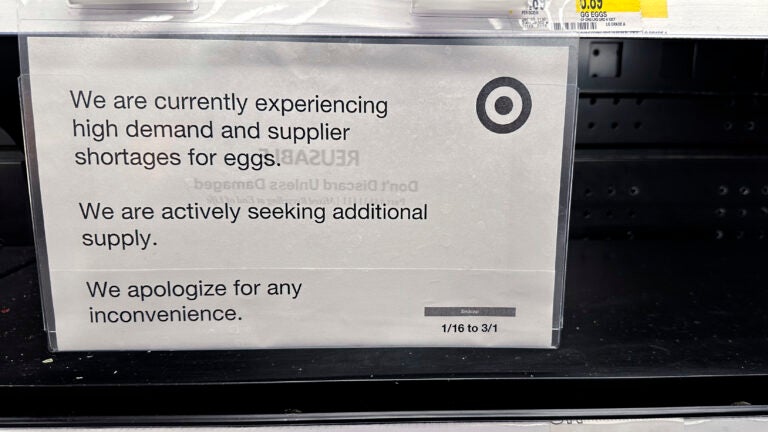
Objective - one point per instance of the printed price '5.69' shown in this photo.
(608, 5)
(590, 5)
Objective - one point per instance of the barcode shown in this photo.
(575, 26)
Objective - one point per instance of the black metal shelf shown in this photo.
(665, 291)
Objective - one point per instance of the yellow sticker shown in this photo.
(654, 8)
(608, 6)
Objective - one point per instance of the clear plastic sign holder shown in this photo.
(306, 17)
(73, 53)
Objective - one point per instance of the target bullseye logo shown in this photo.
(504, 105)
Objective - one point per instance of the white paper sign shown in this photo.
(207, 194)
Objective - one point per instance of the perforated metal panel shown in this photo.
(675, 145)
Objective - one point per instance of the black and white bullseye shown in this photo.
(504, 105)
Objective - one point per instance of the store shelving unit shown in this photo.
(665, 296)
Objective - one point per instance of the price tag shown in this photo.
(614, 16)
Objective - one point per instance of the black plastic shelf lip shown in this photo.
(384, 417)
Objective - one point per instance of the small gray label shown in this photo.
(470, 311)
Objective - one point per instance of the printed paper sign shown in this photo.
(212, 194)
